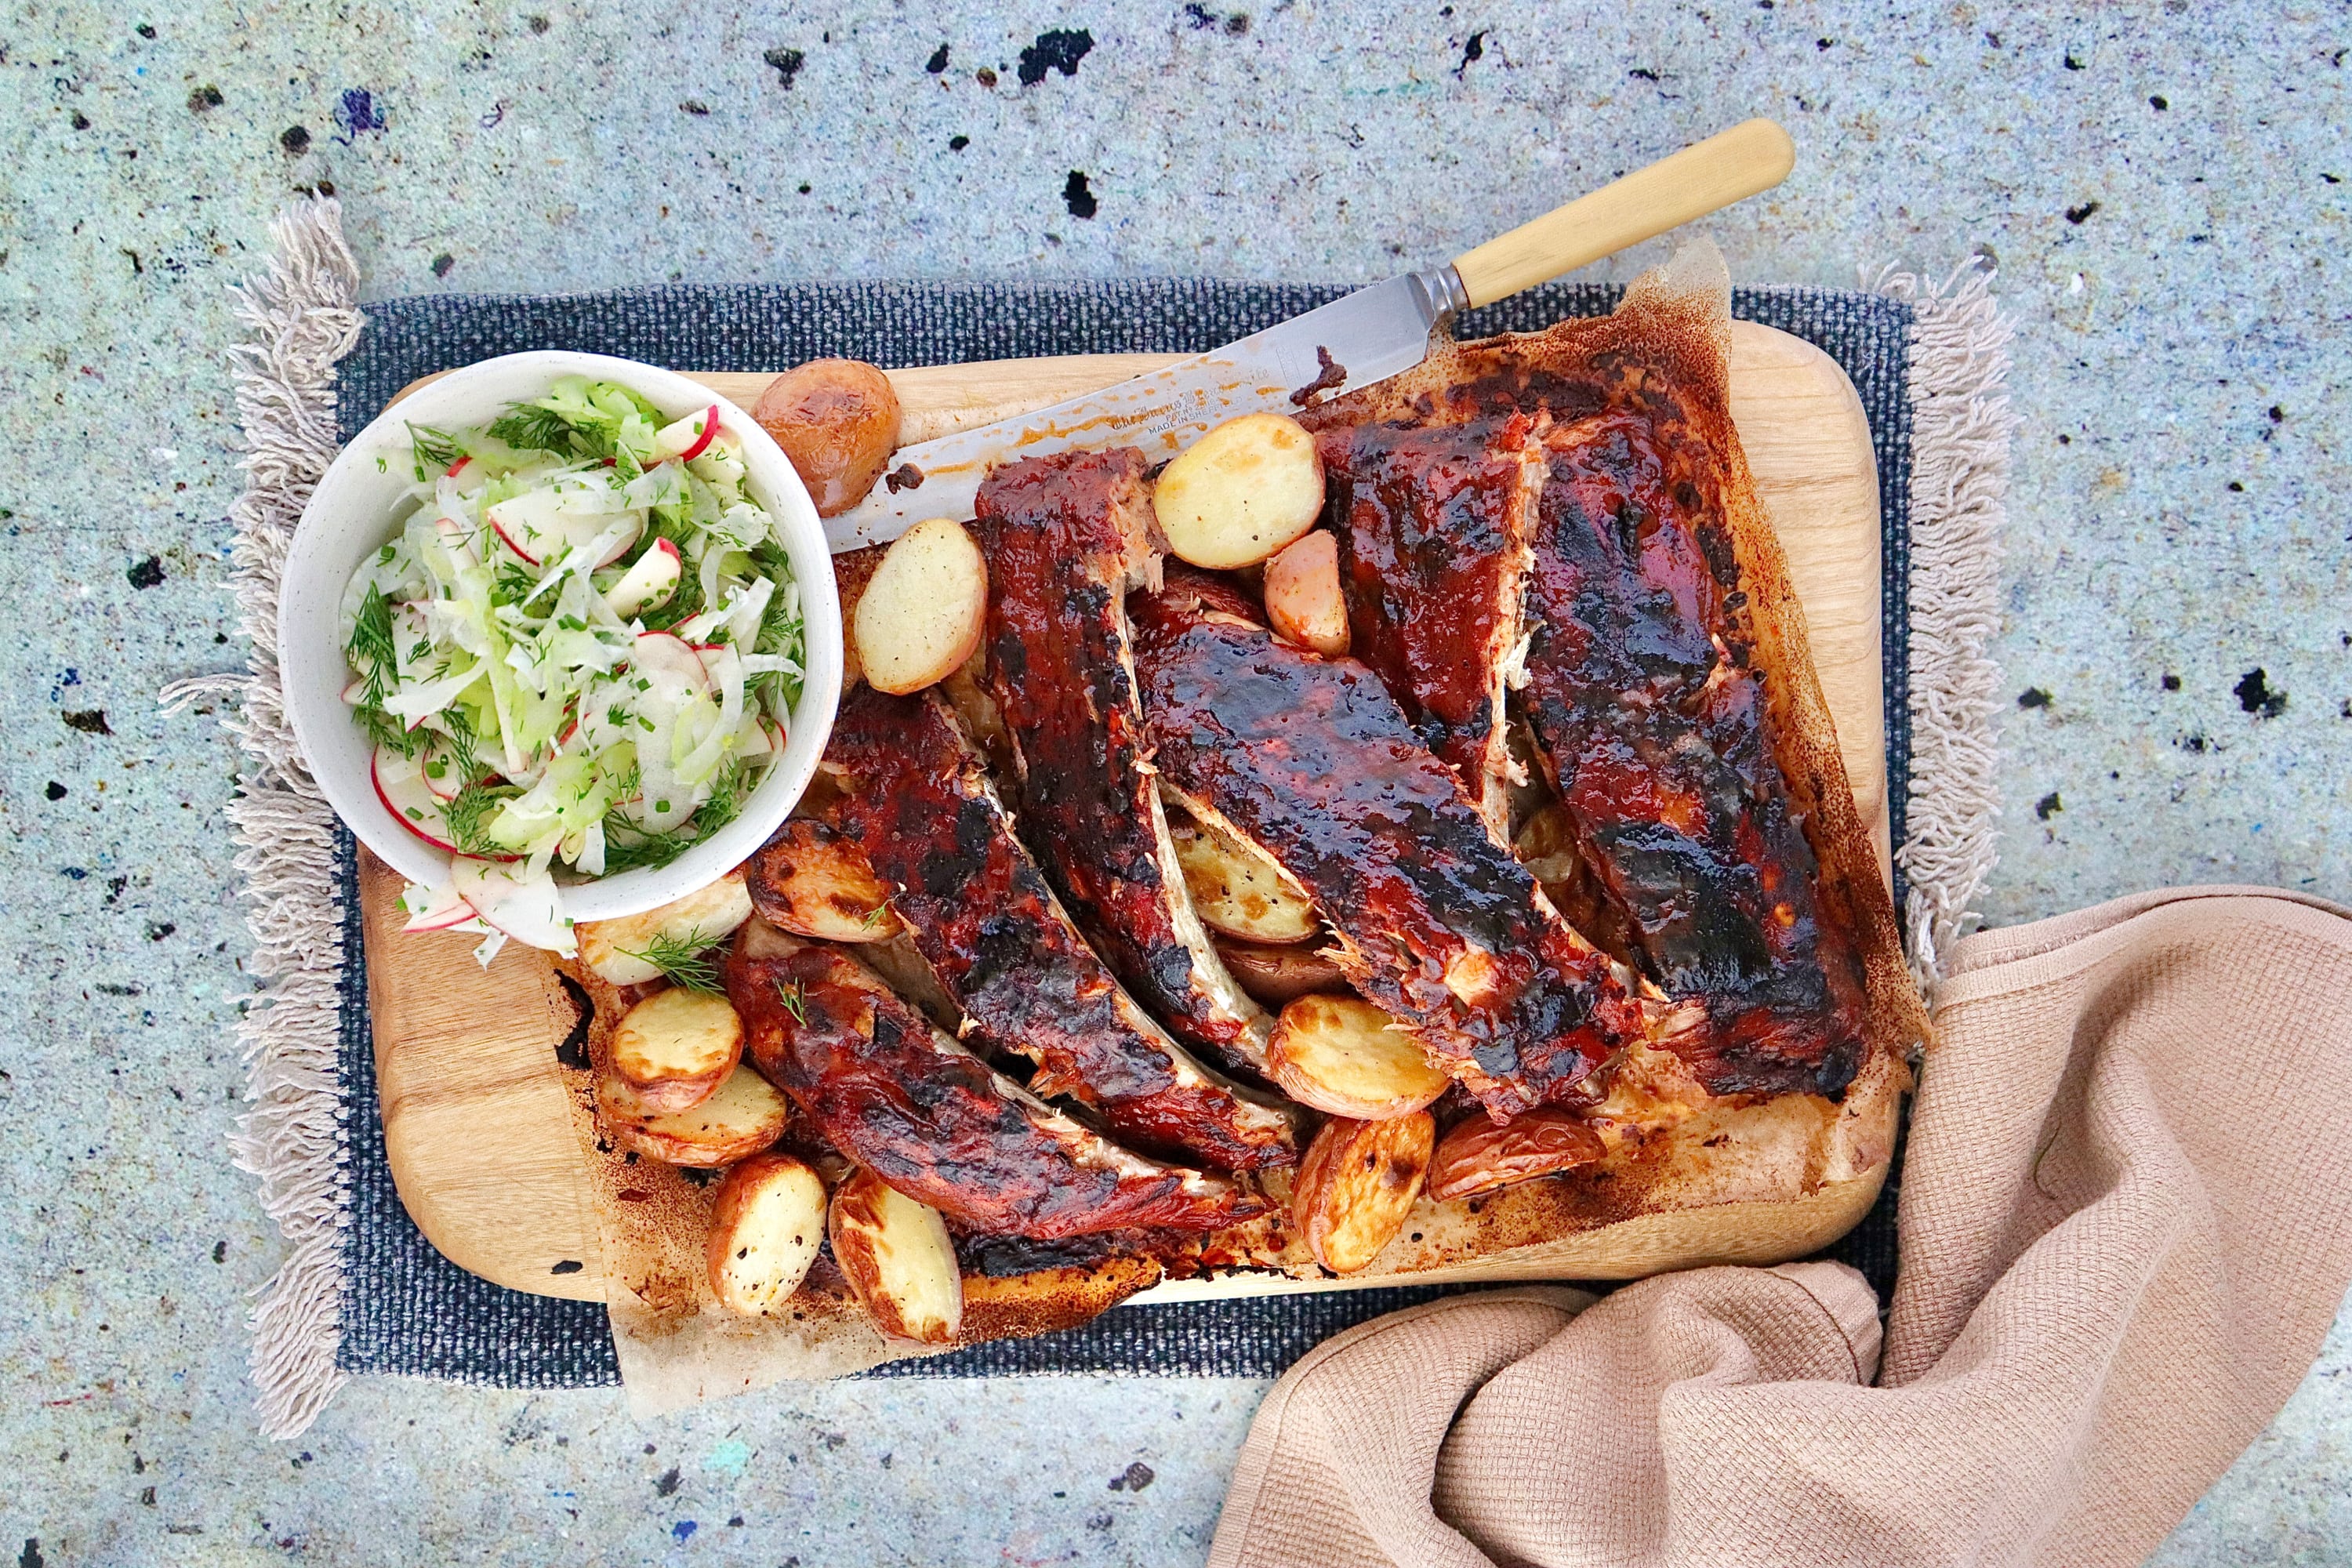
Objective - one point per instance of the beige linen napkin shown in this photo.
(2127, 1227)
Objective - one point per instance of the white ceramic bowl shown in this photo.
(351, 514)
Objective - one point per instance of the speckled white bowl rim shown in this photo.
(351, 514)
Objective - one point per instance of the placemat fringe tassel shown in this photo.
(1961, 425)
(303, 319)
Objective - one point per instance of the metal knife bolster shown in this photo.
(1354, 341)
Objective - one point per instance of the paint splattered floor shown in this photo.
(2164, 189)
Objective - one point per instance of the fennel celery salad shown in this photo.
(578, 656)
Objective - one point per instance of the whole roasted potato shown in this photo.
(838, 420)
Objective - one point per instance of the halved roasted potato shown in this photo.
(1303, 601)
(1277, 977)
(618, 949)
(1344, 1056)
(1241, 492)
(741, 1117)
(1236, 889)
(676, 1048)
(922, 610)
(899, 1259)
(1357, 1184)
(814, 884)
(1477, 1156)
(767, 1222)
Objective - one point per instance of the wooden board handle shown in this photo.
(1702, 178)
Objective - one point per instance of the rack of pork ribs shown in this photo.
(1570, 811)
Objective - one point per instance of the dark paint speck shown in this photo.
(539, 23)
(442, 263)
(2081, 214)
(958, 144)
(295, 139)
(2048, 806)
(786, 63)
(56, 791)
(204, 100)
(2034, 696)
(88, 720)
(2171, 682)
(1078, 198)
(1059, 49)
(939, 60)
(148, 573)
(2157, 102)
(668, 1484)
(2255, 696)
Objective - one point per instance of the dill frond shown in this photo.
(684, 960)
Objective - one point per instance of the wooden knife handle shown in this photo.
(1702, 178)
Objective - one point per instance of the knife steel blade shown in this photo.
(1352, 342)
(1367, 336)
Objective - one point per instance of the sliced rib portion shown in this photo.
(1432, 522)
(1652, 720)
(917, 797)
(904, 1099)
(1067, 536)
(1313, 762)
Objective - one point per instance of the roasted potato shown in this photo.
(1236, 889)
(1277, 977)
(743, 1117)
(767, 1222)
(838, 420)
(1357, 1184)
(921, 612)
(1343, 1056)
(676, 1048)
(1303, 602)
(815, 885)
(897, 1257)
(1241, 492)
(1477, 1156)
(617, 949)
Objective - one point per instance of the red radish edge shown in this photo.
(465, 912)
(459, 464)
(508, 538)
(709, 430)
(376, 781)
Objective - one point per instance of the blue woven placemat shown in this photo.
(406, 1307)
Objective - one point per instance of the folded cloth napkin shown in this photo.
(2126, 1228)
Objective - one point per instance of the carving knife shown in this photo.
(1364, 337)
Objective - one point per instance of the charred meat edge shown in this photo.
(917, 796)
(1067, 535)
(1311, 762)
(897, 1095)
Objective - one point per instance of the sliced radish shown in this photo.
(460, 464)
(665, 659)
(526, 907)
(648, 583)
(446, 784)
(438, 908)
(685, 438)
(356, 692)
(400, 785)
(457, 540)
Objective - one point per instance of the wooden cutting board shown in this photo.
(478, 1127)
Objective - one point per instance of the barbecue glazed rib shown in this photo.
(1432, 523)
(1670, 690)
(901, 1098)
(1066, 537)
(1652, 721)
(917, 797)
(1313, 762)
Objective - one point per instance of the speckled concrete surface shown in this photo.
(2162, 187)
